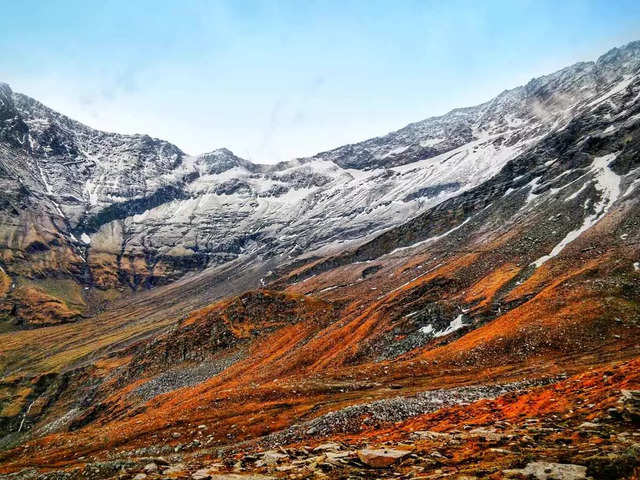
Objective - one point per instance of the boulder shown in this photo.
(271, 457)
(202, 474)
(326, 447)
(430, 435)
(614, 465)
(489, 435)
(550, 471)
(629, 405)
(175, 471)
(213, 470)
(240, 476)
(589, 426)
(381, 457)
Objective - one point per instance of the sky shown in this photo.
(274, 80)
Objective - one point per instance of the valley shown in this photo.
(457, 299)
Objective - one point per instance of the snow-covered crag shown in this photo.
(111, 211)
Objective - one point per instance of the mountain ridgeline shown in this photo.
(110, 213)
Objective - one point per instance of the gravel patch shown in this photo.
(352, 419)
(185, 377)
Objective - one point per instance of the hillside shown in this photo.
(463, 292)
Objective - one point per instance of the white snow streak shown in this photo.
(617, 89)
(25, 416)
(578, 192)
(427, 330)
(431, 239)
(456, 324)
(44, 179)
(608, 182)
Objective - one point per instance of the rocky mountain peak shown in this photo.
(5, 93)
(221, 160)
(626, 57)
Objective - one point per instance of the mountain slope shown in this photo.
(116, 212)
(368, 322)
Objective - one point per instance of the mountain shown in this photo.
(117, 212)
(474, 272)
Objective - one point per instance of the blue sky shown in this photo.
(273, 80)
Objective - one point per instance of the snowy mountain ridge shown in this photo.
(134, 210)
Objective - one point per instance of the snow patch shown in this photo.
(430, 142)
(395, 151)
(531, 196)
(85, 238)
(578, 192)
(44, 179)
(426, 330)
(456, 324)
(611, 92)
(91, 190)
(608, 182)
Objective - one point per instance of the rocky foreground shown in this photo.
(577, 428)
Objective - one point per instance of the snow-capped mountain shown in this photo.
(110, 210)
(380, 293)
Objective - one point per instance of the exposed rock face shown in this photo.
(37, 308)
